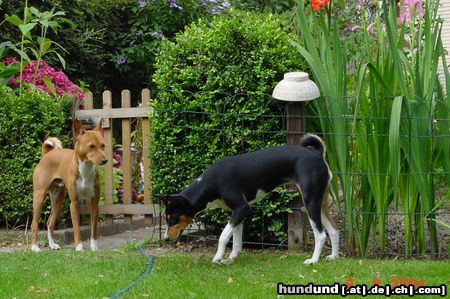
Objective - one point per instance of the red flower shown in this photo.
(318, 4)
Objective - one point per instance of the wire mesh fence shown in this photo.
(390, 186)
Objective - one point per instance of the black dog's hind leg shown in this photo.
(312, 198)
(234, 227)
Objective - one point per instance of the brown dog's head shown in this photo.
(89, 144)
(178, 215)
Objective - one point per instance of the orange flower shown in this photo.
(318, 4)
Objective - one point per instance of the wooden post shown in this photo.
(88, 105)
(146, 161)
(126, 155)
(108, 138)
(297, 219)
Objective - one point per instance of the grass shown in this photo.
(70, 274)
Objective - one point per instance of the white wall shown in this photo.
(444, 12)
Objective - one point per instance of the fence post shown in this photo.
(297, 220)
(88, 105)
(108, 138)
(146, 161)
(296, 88)
(126, 155)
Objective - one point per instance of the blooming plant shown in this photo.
(409, 9)
(173, 4)
(383, 143)
(215, 7)
(45, 78)
(32, 46)
(318, 4)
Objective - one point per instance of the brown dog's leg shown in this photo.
(75, 215)
(38, 202)
(94, 219)
(57, 197)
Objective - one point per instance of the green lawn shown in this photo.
(70, 274)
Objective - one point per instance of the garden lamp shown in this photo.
(296, 88)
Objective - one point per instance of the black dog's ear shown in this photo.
(165, 199)
(174, 199)
(179, 200)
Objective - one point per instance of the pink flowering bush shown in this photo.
(60, 82)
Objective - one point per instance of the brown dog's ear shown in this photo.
(77, 128)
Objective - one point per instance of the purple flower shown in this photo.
(216, 7)
(226, 5)
(142, 3)
(121, 60)
(173, 4)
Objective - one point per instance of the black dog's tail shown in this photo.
(314, 142)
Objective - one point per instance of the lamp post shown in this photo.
(296, 89)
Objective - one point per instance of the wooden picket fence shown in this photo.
(125, 114)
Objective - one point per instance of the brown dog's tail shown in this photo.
(50, 144)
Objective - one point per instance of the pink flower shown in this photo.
(408, 9)
(9, 60)
(61, 83)
(117, 160)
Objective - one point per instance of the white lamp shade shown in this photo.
(296, 87)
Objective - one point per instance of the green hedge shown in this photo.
(25, 121)
(222, 72)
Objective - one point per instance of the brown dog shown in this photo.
(72, 170)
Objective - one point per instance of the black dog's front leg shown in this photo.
(234, 227)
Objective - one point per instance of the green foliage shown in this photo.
(152, 22)
(265, 5)
(88, 40)
(25, 121)
(37, 45)
(212, 101)
(6, 71)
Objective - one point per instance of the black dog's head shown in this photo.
(178, 215)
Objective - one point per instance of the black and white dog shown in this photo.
(235, 181)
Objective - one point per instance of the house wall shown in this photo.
(444, 12)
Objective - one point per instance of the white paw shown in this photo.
(310, 261)
(54, 246)
(79, 247)
(332, 257)
(94, 246)
(217, 261)
(35, 248)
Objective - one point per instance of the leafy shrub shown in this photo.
(212, 86)
(25, 121)
(151, 22)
